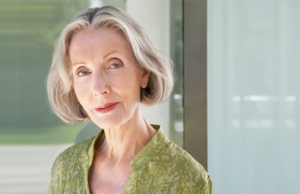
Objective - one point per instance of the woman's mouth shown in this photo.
(106, 107)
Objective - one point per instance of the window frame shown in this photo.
(195, 79)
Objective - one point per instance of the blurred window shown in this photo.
(254, 96)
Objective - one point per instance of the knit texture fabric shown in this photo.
(159, 167)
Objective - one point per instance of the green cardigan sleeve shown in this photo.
(194, 179)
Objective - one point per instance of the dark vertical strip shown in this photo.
(176, 54)
(195, 78)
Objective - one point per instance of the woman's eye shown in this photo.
(114, 66)
(81, 73)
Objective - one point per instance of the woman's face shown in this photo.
(106, 77)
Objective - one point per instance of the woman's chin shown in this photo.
(110, 120)
(107, 123)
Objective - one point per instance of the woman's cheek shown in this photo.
(132, 87)
(81, 89)
(118, 80)
(128, 81)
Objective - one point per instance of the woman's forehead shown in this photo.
(102, 41)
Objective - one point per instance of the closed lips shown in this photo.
(106, 105)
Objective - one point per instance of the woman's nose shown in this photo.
(100, 86)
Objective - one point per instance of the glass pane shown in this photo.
(31, 136)
(253, 96)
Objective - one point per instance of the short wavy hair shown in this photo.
(61, 94)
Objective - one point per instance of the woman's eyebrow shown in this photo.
(105, 56)
(77, 63)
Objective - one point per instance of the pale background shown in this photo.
(254, 96)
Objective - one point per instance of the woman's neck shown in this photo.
(121, 144)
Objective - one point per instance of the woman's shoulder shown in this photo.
(75, 151)
(190, 170)
(71, 156)
(70, 160)
(183, 158)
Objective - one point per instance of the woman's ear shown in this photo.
(145, 78)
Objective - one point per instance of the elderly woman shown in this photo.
(104, 66)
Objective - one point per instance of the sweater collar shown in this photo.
(157, 144)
